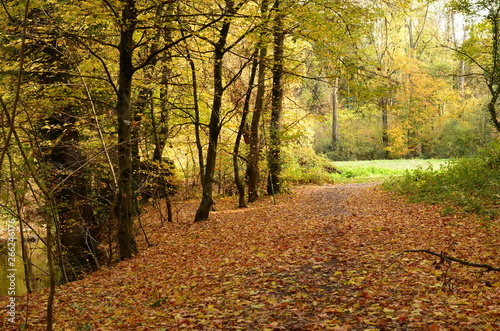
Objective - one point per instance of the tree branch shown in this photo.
(7, 12)
(453, 259)
(103, 63)
(11, 117)
(467, 56)
(174, 43)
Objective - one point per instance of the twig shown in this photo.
(453, 259)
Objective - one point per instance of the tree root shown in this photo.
(448, 258)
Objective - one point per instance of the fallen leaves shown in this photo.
(319, 260)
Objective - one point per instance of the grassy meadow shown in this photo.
(379, 170)
(311, 168)
(384, 168)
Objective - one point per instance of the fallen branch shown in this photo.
(453, 259)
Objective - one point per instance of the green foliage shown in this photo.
(459, 131)
(156, 179)
(303, 165)
(466, 184)
(359, 137)
(379, 170)
(458, 138)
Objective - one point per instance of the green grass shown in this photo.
(379, 170)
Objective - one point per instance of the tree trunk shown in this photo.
(384, 106)
(123, 210)
(197, 123)
(214, 125)
(143, 99)
(76, 219)
(335, 114)
(492, 110)
(52, 276)
(18, 197)
(160, 139)
(493, 78)
(254, 148)
(461, 63)
(461, 79)
(241, 129)
(274, 157)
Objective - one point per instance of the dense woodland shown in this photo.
(112, 105)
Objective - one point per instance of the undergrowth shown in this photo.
(460, 185)
(303, 166)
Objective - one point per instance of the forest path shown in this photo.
(322, 258)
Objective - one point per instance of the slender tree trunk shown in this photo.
(384, 106)
(160, 139)
(52, 287)
(492, 110)
(461, 79)
(160, 136)
(214, 125)
(493, 78)
(197, 123)
(254, 148)
(50, 263)
(461, 64)
(127, 246)
(17, 198)
(385, 130)
(335, 114)
(241, 129)
(139, 107)
(274, 157)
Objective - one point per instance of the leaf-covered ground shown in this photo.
(323, 258)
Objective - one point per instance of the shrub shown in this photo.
(467, 184)
(302, 165)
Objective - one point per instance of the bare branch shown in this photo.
(448, 258)
(467, 56)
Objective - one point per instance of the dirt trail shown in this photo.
(321, 259)
(333, 198)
